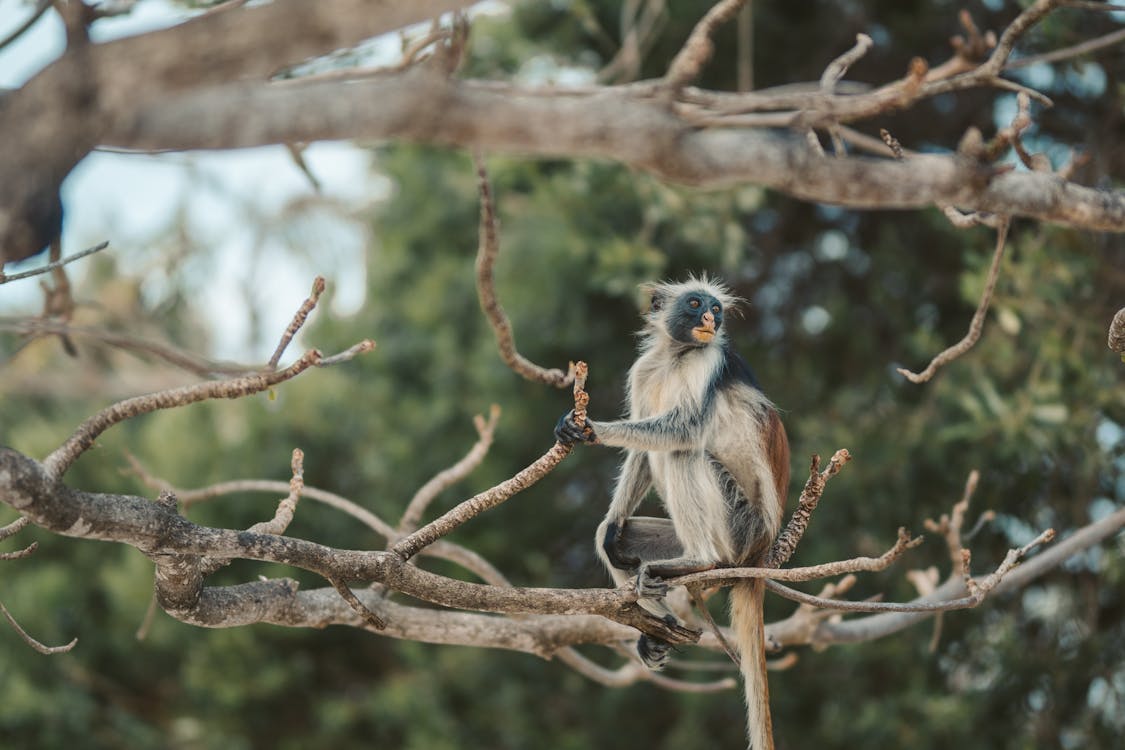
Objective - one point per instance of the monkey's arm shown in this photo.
(677, 430)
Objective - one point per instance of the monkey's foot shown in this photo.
(650, 586)
(654, 653)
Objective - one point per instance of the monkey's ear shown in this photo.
(656, 297)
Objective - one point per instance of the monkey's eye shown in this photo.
(694, 303)
(716, 309)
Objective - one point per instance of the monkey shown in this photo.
(701, 432)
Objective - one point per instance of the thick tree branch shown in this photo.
(157, 530)
(620, 124)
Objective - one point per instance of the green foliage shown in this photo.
(836, 300)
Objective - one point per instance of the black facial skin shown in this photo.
(685, 316)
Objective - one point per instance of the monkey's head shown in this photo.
(690, 312)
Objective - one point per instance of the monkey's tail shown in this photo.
(749, 631)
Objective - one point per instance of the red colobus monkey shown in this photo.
(704, 436)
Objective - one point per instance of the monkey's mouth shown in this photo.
(703, 334)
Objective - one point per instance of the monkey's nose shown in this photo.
(709, 319)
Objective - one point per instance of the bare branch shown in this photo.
(839, 67)
(431, 489)
(298, 320)
(4, 279)
(46, 650)
(978, 590)
(348, 354)
(27, 551)
(409, 546)
(40, 8)
(490, 304)
(61, 458)
(608, 123)
(1116, 337)
(288, 506)
(14, 527)
(724, 576)
(1067, 53)
(699, 48)
(892, 143)
(444, 550)
(977, 323)
(353, 601)
(786, 543)
(184, 360)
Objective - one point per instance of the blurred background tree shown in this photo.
(837, 300)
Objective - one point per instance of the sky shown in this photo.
(129, 199)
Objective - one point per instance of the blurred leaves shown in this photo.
(836, 300)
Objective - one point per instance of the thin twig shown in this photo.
(287, 508)
(786, 543)
(839, 67)
(454, 553)
(5, 278)
(35, 327)
(701, 606)
(147, 620)
(299, 318)
(891, 142)
(348, 354)
(40, 8)
(978, 589)
(47, 650)
(725, 576)
(409, 546)
(14, 527)
(699, 48)
(62, 457)
(977, 323)
(27, 551)
(431, 489)
(1091, 45)
(353, 601)
(1115, 340)
(297, 154)
(488, 249)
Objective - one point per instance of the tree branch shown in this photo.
(977, 323)
(622, 124)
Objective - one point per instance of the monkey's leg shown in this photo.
(623, 546)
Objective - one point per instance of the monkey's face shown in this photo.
(692, 318)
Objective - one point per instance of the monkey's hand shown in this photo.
(568, 432)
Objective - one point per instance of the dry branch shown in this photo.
(62, 457)
(977, 323)
(431, 489)
(786, 543)
(699, 48)
(1115, 340)
(184, 360)
(4, 279)
(46, 650)
(410, 545)
(299, 318)
(489, 303)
